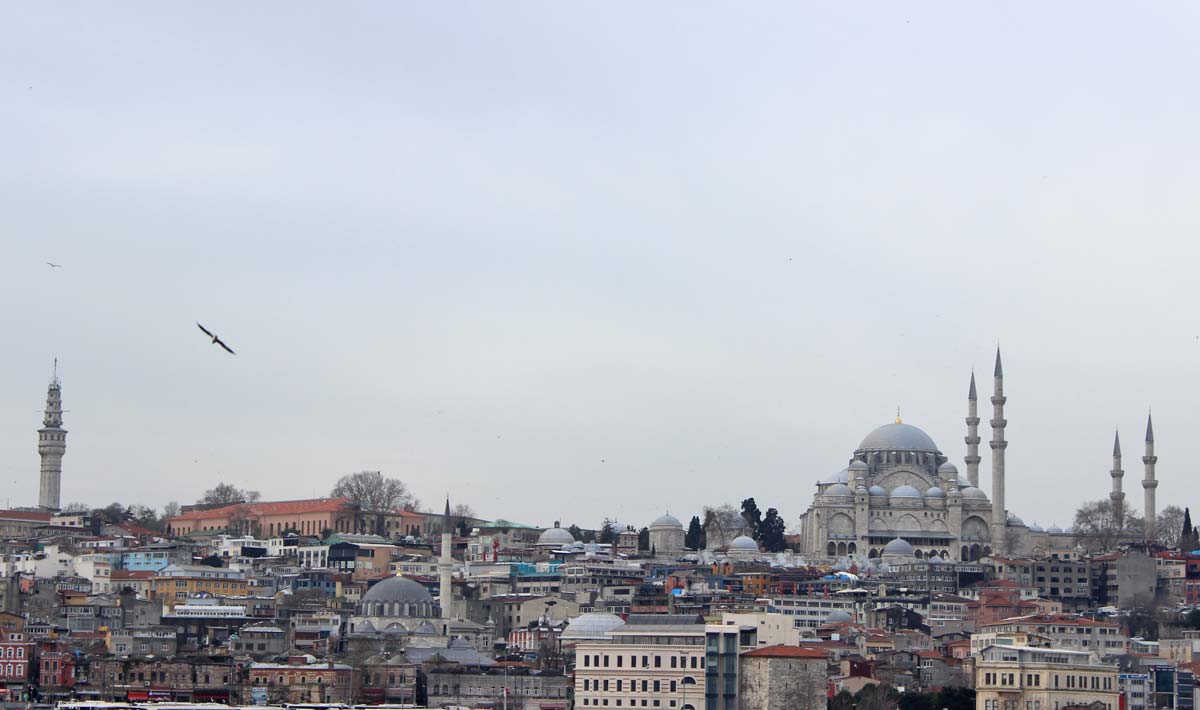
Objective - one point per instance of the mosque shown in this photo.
(900, 496)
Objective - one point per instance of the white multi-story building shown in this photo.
(659, 665)
(811, 612)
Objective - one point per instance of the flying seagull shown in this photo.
(215, 339)
(53, 265)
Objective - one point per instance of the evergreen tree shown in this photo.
(694, 538)
(752, 515)
(1187, 536)
(576, 532)
(644, 539)
(771, 532)
(608, 532)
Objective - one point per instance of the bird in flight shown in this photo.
(215, 339)
(53, 265)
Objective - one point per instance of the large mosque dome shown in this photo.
(898, 437)
(395, 598)
(398, 589)
(555, 537)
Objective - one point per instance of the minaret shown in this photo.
(52, 444)
(972, 459)
(445, 566)
(1117, 496)
(998, 444)
(1148, 483)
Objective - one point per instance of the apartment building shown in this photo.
(1028, 678)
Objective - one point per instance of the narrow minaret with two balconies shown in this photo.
(445, 567)
(998, 444)
(972, 438)
(52, 444)
(1148, 483)
(1118, 495)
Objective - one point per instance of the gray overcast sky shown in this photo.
(485, 246)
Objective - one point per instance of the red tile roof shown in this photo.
(782, 651)
(283, 507)
(24, 515)
(131, 574)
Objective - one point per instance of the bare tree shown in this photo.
(1098, 529)
(77, 507)
(722, 524)
(374, 492)
(462, 510)
(170, 510)
(226, 494)
(1168, 525)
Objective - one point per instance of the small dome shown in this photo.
(842, 476)
(666, 520)
(905, 491)
(857, 465)
(1036, 528)
(899, 546)
(948, 470)
(898, 437)
(1015, 521)
(556, 536)
(935, 492)
(398, 589)
(973, 493)
(742, 543)
(1054, 529)
(877, 491)
(963, 481)
(837, 490)
(837, 616)
(593, 625)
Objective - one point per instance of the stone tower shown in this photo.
(52, 444)
(972, 438)
(445, 566)
(998, 444)
(1148, 483)
(1117, 496)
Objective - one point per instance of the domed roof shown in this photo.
(857, 465)
(963, 481)
(837, 615)
(666, 520)
(877, 491)
(1015, 521)
(1054, 529)
(398, 589)
(842, 476)
(1036, 528)
(898, 546)
(556, 536)
(838, 489)
(974, 493)
(742, 543)
(948, 468)
(935, 492)
(905, 491)
(592, 625)
(897, 437)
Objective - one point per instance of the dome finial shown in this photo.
(898, 420)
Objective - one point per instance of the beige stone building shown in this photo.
(783, 678)
(1028, 678)
(659, 663)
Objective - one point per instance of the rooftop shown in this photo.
(782, 651)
